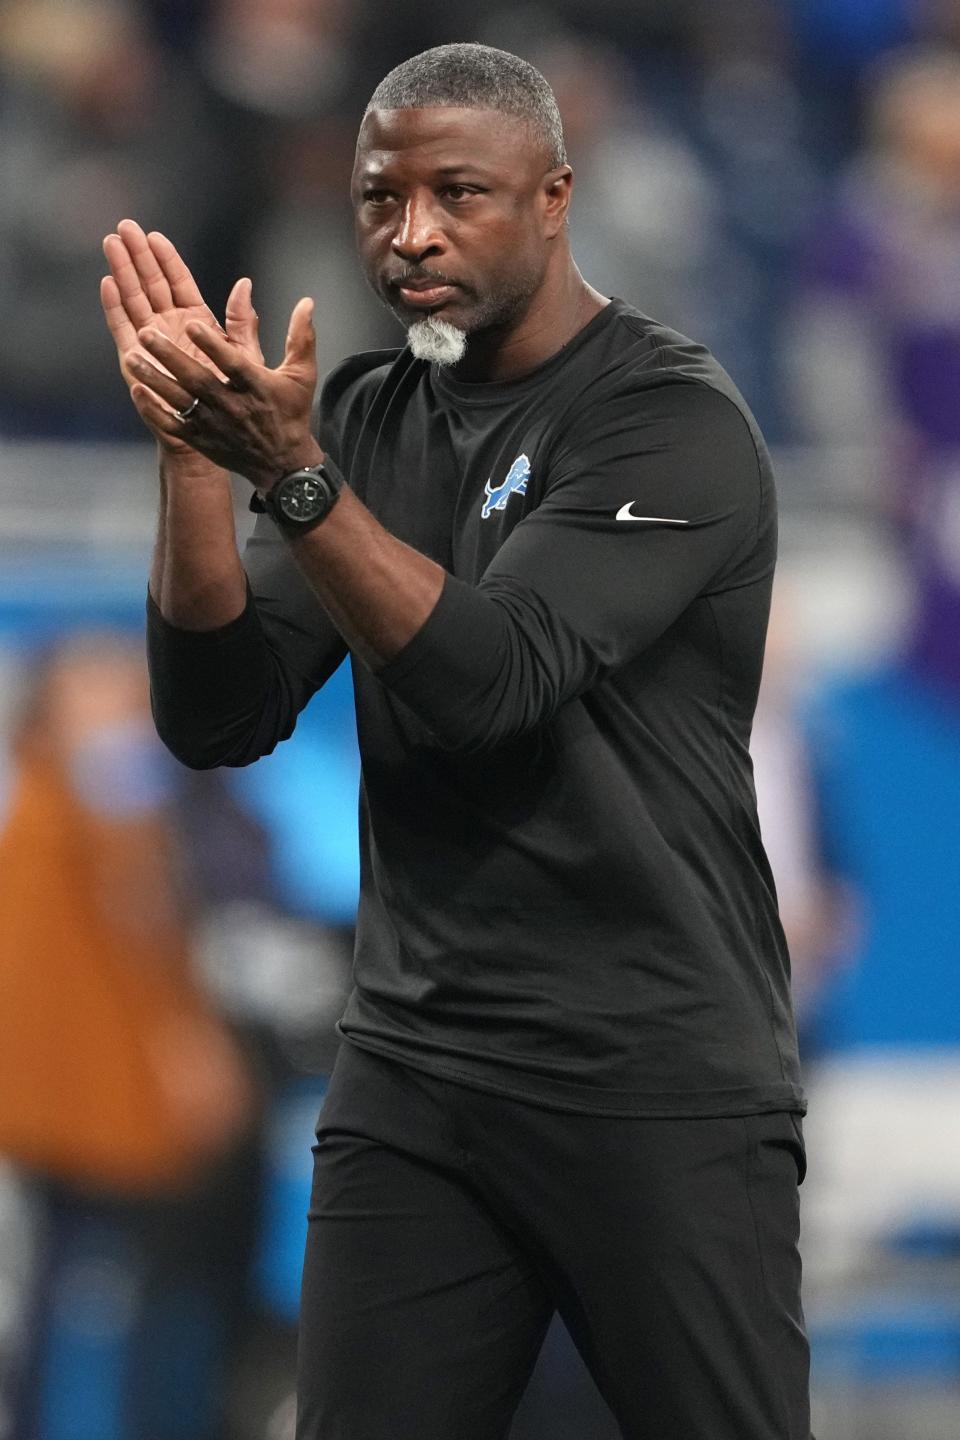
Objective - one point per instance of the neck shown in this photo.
(557, 312)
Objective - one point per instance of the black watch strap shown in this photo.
(302, 498)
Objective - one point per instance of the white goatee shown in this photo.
(437, 341)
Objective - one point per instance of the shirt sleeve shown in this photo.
(660, 499)
(228, 696)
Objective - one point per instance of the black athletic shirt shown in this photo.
(564, 895)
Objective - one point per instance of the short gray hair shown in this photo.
(478, 77)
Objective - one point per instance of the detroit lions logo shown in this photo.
(515, 483)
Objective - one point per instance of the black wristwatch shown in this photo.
(302, 499)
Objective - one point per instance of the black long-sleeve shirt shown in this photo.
(564, 895)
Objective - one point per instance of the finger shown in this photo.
(300, 352)
(155, 284)
(183, 287)
(155, 414)
(120, 325)
(195, 378)
(226, 355)
(147, 374)
(243, 322)
(124, 272)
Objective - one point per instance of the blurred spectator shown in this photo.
(97, 123)
(754, 127)
(122, 1096)
(90, 905)
(816, 911)
(286, 75)
(287, 59)
(877, 345)
(875, 342)
(836, 40)
(652, 241)
(876, 339)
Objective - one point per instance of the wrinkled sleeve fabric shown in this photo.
(228, 696)
(658, 499)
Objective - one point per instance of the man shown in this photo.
(570, 1075)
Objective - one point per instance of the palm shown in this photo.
(173, 323)
(149, 284)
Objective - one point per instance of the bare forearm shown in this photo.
(376, 590)
(197, 578)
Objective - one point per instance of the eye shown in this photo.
(376, 197)
(459, 193)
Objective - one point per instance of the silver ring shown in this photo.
(188, 410)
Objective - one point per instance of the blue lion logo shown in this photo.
(516, 481)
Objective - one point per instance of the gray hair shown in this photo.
(478, 77)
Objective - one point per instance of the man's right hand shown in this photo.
(196, 577)
(149, 284)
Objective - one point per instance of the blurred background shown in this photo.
(777, 178)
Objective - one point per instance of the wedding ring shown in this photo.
(188, 411)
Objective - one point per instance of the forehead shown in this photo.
(445, 137)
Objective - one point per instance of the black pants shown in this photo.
(447, 1225)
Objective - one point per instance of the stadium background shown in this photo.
(780, 178)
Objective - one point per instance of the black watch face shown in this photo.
(303, 496)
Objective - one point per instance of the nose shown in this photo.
(418, 236)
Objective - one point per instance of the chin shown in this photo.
(434, 339)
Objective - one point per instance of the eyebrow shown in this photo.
(465, 166)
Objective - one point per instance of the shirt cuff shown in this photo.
(200, 672)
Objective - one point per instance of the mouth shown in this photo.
(424, 293)
(426, 299)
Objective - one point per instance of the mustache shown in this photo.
(416, 275)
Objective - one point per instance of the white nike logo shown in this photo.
(624, 514)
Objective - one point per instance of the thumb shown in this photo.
(300, 351)
(242, 321)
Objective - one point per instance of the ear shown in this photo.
(556, 192)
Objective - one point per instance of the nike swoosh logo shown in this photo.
(624, 514)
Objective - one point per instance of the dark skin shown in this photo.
(457, 214)
(451, 193)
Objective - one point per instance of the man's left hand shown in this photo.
(256, 421)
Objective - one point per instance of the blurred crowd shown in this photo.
(779, 179)
(708, 137)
